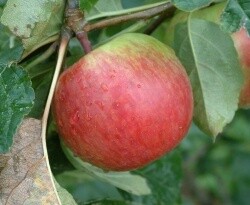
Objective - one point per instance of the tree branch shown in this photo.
(76, 22)
(149, 13)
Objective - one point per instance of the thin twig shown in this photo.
(149, 13)
(62, 49)
(76, 22)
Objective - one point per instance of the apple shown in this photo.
(242, 44)
(124, 104)
(241, 41)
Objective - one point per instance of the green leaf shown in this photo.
(10, 47)
(11, 55)
(57, 159)
(238, 129)
(103, 7)
(17, 97)
(191, 5)
(124, 180)
(236, 15)
(211, 13)
(41, 92)
(241, 179)
(36, 23)
(2, 2)
(111, 33)
(87, 5)
(41, 77)
(65, 197)
(86, 189)
(108, 8)
(164, 179)
(211, 61)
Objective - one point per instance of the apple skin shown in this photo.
(242, 45)
(124, 104)
(240, 38)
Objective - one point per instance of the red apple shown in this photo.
(240, 38)
(124, 104)
(242, 45)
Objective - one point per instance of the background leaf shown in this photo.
(124, 180)
(191, 5)
(64, 195)
(236, 15)
(211, 61)
(108, 8)
(218, 173)
(86, 189)
(87, 5)
(58, 161)
(41, 77)
(17, 97)
(10, 47)
(35, 22)
(164, 179)
(102, 7)
(3, 2)
(136, 3)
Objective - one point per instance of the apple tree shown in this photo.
(124, 102)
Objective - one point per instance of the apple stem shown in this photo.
(76, 22)
(148, 13)
(82, 36)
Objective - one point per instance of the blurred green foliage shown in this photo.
(219, 172)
